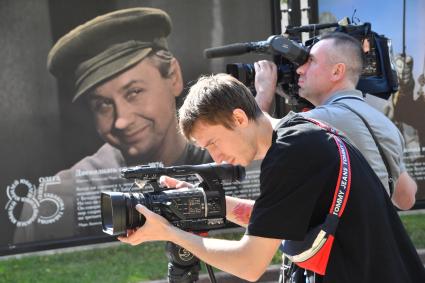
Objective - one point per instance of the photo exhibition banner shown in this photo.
(58, 154)
(54, 159)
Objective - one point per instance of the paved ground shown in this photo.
(271, 275)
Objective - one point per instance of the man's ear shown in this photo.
(176, 77)
(240, 118)
(338, 71)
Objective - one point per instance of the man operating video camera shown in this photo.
(305, 164)
(328, 80)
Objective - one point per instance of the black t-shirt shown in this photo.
(298, 179)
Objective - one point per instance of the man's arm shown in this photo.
(404, 195)
(265, 84)
(247, 258)
(239, 210)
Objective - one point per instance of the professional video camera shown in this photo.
(288, 55)
(379, 76)
(199, 208)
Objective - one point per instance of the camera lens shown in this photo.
(118, 211)
(113, 213)
(135, 219)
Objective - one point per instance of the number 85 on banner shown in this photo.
(31, 202)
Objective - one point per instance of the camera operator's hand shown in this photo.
(230, 256)
(265, 84)
(169, 182)
(155, 228)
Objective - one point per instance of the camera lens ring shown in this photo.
(113, 213)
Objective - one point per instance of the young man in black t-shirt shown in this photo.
(303, 165)
(298, 178)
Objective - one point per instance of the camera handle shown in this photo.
(183, 266)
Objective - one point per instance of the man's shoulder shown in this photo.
(298, 132)
(327, 112)
(337, 114)
(295, 120)
(289, 120)
(378, 121)
(360, 105)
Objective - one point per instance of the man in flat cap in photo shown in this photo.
(123, 69)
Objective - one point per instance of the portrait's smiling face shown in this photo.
(135, 111)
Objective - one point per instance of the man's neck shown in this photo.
(332, 92)
(264, 131)
(273, 121)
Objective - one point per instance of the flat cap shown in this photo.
(107, 45)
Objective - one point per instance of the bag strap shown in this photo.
(315, 258)
(378, 145)
(343, 184)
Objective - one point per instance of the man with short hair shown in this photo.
(304, 165)
(328, 80)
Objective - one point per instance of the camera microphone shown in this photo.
(310, 28)
(275, 44)
(235, 49)
(315, 27)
